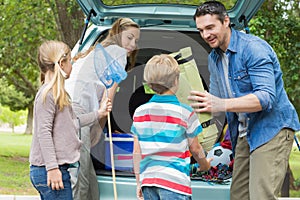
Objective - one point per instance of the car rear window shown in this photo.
(228, 3)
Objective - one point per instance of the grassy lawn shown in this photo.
(14, 170)
(295, 167)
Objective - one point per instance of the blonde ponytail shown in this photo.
(50, 54)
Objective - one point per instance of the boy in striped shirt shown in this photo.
(165, 132)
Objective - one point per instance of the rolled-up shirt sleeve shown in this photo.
(264, 99)
(261, 71)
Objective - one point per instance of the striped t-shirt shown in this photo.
(162, 126)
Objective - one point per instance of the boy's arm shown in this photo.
(136, 165)
(136, 158)
(199, 155)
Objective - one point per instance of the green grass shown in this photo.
(13, 144)
(295, 167)
(295, 162)
(14, 170)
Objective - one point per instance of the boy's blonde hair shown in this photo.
(50, 53)
(161, 73)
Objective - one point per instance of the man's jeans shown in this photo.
(38, 177)
(156, 193)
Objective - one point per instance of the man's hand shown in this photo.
(205, 102)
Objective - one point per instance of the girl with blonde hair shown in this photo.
(55, 144)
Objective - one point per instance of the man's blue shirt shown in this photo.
(253, 69)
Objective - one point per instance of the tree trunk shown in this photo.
(68, 18)
(270, 7)
(13, 128)
(29, 125)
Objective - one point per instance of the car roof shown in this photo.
(172, 15)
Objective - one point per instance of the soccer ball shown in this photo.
(220, 155)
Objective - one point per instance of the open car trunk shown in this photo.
(165, 28)
(131, 94)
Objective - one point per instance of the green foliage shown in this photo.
(278, 23)
(228, 3)
(13, 118)
(24, 25)
(11, 97)
(297, 182)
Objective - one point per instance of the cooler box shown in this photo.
(122, 148)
